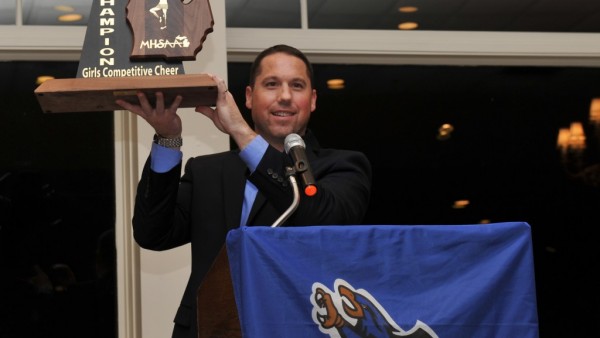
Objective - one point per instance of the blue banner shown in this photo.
(385, 281)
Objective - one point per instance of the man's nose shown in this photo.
(285, 94)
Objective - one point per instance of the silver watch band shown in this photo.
(168, 142)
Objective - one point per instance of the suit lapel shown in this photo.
(258, 204)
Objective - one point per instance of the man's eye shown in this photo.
(270, 84)
(298, 85)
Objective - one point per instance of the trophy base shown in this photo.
(100, 94)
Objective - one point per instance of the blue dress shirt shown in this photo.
(164, 159)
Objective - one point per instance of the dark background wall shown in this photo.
(57, 170)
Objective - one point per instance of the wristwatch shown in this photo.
(168, 142)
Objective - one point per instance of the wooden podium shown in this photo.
(217, 311)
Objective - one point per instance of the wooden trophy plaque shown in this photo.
(99, 94)
(175, 30)
(132, 46)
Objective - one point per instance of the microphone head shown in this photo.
(293, 140)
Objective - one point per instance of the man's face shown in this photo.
(282, 98)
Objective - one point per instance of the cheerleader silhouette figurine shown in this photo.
(163, 6)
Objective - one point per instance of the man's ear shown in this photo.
(249, 97)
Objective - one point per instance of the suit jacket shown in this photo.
(206, 202)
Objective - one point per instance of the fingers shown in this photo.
(221, 86)
(125, 105)
(164, 120)
(143, 109)
(206, 111)
(160, 102)
(221, 99)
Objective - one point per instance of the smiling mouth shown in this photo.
(283, 113)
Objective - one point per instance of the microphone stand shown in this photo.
(289, 173)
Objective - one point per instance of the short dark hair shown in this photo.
(289, 50)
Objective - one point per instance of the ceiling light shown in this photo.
(408, 9)
(408, 25)
(562, 141)
(70, 17)
(572, 138)
(595, 110)
(577, 139)
(445, 131)
(460, 204)
(43, 78)
(64, 8)
(335, 84)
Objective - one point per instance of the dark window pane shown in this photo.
(501, 155)
(57, 213)
(56, 12)
(458, 15)
(263, 14)
(8, 13)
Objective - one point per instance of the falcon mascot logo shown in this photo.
(350, 313)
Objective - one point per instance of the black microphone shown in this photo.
(295, 147)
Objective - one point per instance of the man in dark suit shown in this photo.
(219, 192)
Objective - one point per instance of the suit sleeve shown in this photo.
(158, 222)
